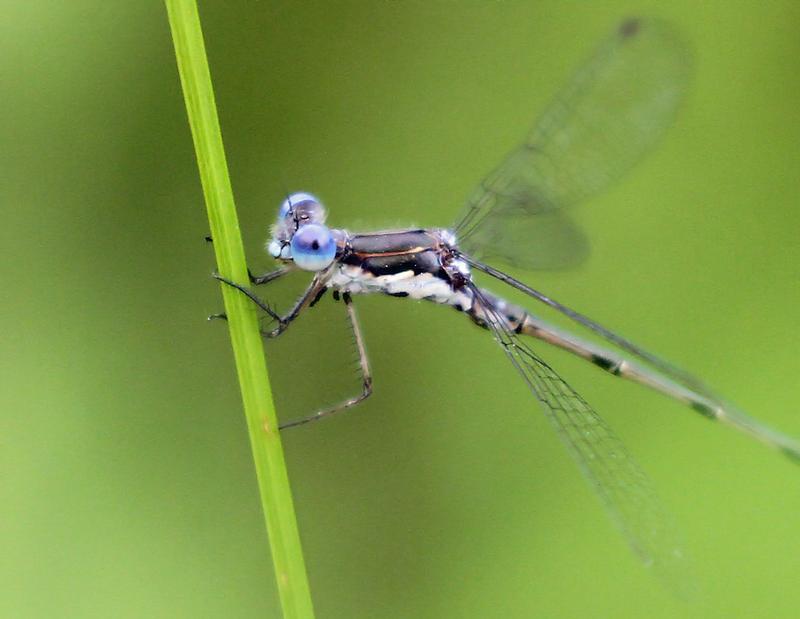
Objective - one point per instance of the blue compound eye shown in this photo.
(295, 200)
(313, 247)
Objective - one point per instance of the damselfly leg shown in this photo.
(309, 297)
(269, 276)
(256, 280)
(363, 362)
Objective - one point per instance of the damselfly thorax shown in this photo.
(418, 264)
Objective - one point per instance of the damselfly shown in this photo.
(605, 119)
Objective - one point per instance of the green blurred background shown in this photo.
(127, 484)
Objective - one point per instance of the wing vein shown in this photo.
(621, 484)
(612, 112)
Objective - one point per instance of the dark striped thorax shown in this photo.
(420, 264)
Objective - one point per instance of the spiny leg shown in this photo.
(266, 278)
(366, 375)
(256, 280)
(249, 294)
(309, 297)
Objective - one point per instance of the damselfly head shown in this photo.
(299, 234)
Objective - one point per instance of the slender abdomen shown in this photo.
(485, 306)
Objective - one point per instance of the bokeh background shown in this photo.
(127, 486)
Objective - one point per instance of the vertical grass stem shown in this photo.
(273, 482)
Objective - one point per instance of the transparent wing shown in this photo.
(603, 121)
(620, 483)
(548, 241)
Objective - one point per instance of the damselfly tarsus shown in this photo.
(602, 122)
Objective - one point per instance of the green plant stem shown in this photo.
(273, 482)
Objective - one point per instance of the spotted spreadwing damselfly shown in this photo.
(605, 119)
